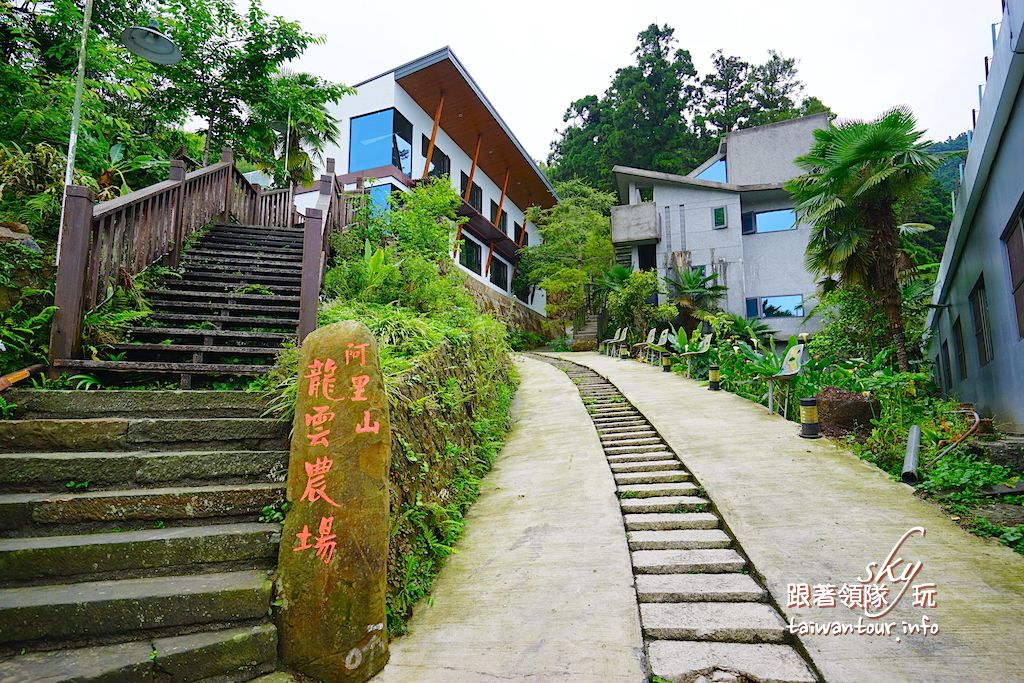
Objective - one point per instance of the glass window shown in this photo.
(775, 221)
(716, 172)
(647, 256)
(790, 306)
(380, 139)
(961, 353)
(440, 163)
(476, 195)
(469, 255)
(979, 311)
(747, 224)
(947, 375)
(499, 274)
(522, 292)
(503, 223)
(718, 215)
(1015, 255)
(753, 311)
(379, 196)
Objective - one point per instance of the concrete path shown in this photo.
(808, 512)
(541, 588)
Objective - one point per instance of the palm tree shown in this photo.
(856, 175)
(695, 291)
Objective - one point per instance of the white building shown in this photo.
(730, 216)
(432, 108)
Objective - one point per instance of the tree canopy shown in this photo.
(658, 113)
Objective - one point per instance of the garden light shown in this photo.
(714, 377)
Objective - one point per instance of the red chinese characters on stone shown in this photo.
(367, 427)
(316, 483)
(321, 378)
(316, 420)
(325, 543)
(356, 351)
(359, 383)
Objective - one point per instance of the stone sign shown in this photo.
(332, 568)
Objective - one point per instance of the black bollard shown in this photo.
(809, 418)
(666, 363)
(714, 378)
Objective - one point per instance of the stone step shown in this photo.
(735, 622)
(131, 434)
(240, 309)
(630, 440)
(657, 490)
(222, 321)
(657, 447)
(251, 228)
(226, 243)
(162, 367)
(94, 609)
(670, 520)
(605, 413)
(715, 561)
(214, 253)
(48, 558)
(663, 477)
(50, 471)
(630, 467)
(219, 337)
(620, 429)
(698, 588)
(57, 403)
(223, 656)
(690, 660)
(231, 263)
(18, 510)
(678, 539)
(647, 456)
(228, 297)
(663, 504)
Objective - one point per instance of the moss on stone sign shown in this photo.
(332, 569)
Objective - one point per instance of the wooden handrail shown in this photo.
(103, 242)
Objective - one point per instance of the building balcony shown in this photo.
(486, 233)
(634, 223)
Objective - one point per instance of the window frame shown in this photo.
(496, 265)
(476, 195)
(959, 349)
(1013, 243)
(758, 302)
(748, 221)
(945, 369)
(978, 299)
(447, 160)
(502, 223)
(394, 154)
(464, 250)
(715, 225)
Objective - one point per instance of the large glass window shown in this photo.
(769, 221)
(1015, 255)
(380, 139)
(476, 195)
(944, 366)
(788, 306)
(469, 255)
(716, 172)
(499, 274)
(982, 332)
(440, 164)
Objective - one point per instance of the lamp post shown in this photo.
(145, 41)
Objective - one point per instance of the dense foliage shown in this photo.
(446, 366)
(659, 114)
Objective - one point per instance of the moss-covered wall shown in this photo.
(449, 416)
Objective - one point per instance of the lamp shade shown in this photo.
(149, 43)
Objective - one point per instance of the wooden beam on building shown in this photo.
(472, 170)
(490, 255)
(433, 135)
(501, 202)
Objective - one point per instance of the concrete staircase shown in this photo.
(704, 616)
(236, 302)
(158, 569)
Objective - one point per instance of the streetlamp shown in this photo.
(145, 41)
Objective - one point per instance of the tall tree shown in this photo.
(727, 95)
(774, 89)
(857, 173)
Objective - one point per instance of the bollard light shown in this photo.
(714, 378)
(809, 428)
(666, 364)
(623, 352)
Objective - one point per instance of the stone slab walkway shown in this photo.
(811, 512)
(541, 588)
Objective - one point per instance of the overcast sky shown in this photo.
(532, 57)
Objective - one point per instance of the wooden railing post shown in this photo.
(66, 327)
(177, 175)
(227, 156)
(257, 201)
(309, 292)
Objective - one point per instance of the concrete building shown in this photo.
(430, 118)
(730, 216)
(977, 325)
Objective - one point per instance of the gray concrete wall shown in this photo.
(997, 388)
(634, 223)
(765, 154)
